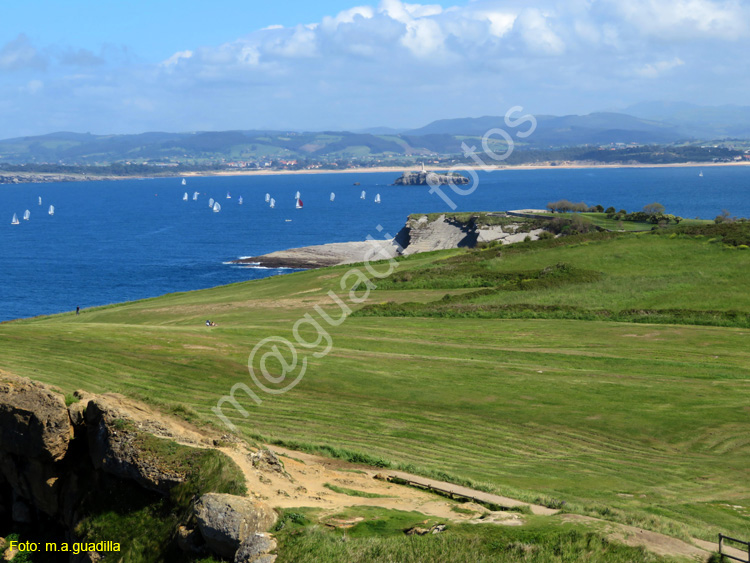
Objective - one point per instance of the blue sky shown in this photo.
(126, 67)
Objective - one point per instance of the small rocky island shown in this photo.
(424, 178)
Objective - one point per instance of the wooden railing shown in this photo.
(723, 538)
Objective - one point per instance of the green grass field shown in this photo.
(601, 220)
(629, 421)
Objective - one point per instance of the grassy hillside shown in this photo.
(631, 421)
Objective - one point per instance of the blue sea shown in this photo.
(114, 241)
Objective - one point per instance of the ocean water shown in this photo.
(122, 240)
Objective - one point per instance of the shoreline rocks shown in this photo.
(418, 235)
(323, 255)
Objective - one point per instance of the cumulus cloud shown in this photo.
(686, 19)
(390, 62)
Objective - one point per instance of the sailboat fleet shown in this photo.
(27, 213)
(212, 204)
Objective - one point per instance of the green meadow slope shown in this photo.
(605, 374)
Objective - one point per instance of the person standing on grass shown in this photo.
(78, 311)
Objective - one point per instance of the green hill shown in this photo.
(606, 374)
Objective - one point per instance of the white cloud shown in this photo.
(534, 26)
(500, 22)
(686, 19)
(176, 58)
(656, 69)
(348, 16)
(423, 37)
(387, 61)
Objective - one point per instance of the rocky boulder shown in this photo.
(254, 547)
(226, 521)
(34, 420)
(115, 447)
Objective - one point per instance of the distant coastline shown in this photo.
(38, 178)
(400, 169)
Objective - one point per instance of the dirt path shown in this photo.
(317, 469)
(304, 480)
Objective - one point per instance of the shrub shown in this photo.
(560, 206)
(654, 209)
(609, 210)
(580, 207)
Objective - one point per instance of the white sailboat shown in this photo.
(51, 210)
(185, 197)
(268, 198)
(239, 201)
(333, 196)
(15, 220)
(377, 198)
(195, 196)
(272, 203)
(217, 207)
(701, 174)
(298, 205)
(40, 200)
(184, 182)
(229, 196)
(296, 196)
(363, 195)
(211, 202)
(27, 215)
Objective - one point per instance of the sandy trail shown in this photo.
(303, 484)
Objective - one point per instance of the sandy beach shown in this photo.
(42, 177)
(399, 170)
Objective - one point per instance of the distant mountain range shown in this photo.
(646, 123)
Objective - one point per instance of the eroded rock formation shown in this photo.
(52, 456)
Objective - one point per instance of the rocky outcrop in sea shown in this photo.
(430, 179)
